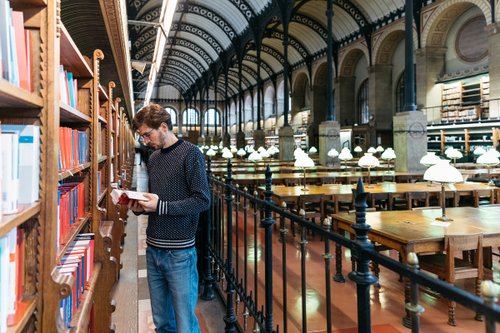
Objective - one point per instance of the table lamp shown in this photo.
(241, 152)
(255, 157)
(227, 154)
(264, 154)
(454, 154)
(210, 152)
(443, 173)
(372, 150)
(488, 159)
(380, 149)
(388, 155)
(297, 151)
(233, 149)
(261, 149)
(478, 151)
(429, 159)
(313, 150)
(345, 155)
(332, 153)
(358, 150)
(368, 161)
(304, 161)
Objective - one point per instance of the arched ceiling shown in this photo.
(207, 38)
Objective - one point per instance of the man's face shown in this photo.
(153, 137)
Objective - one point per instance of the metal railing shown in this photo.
(239, 247)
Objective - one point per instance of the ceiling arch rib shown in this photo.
(273, 52)
(186, 59)
(201, 33)
(296, 45)
(179, 64)
(268, 60)
(193, 47)
(308, 37)
(184, 62)
(244, 79)
(208, 26)
(263, 64)
(172, 88)
(185, 53)
(231, 14)
(207, 13)
(179, 75)
(173, 78)
(203, 44)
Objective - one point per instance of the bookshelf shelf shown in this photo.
(27, 310)
(72, 172)
(72, 115)
(71, 57)
(37, 3)
(8, 222)
(102, 159)
(103, 95)
(76, 228)
(12, 96)
(81, 319)
(102, 120)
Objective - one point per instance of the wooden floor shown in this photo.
(133, 312)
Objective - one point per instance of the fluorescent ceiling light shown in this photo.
(166, 17)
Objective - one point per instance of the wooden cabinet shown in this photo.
(462, 101)
(465, 137)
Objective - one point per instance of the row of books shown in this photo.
(70, 208)
(68, 88)
(11, 277)
(15, 47)
(78, 261)
(73, 148)
(19, 155)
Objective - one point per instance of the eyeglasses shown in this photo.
(147, 134)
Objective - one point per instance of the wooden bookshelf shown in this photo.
(15, 97)
(71, 115)
(70, 173)
(27, 309)
(76, 228)
(25, 212)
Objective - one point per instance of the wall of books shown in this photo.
(64, 141)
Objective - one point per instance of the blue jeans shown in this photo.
(173, 288)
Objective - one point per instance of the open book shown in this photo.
(122, 197)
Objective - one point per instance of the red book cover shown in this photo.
(20, 264)
(27, 38)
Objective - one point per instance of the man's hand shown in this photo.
(134, 206)
(150, 205)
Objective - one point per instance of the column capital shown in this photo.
(431, 51)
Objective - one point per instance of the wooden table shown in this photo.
(288, 193)
(414, 231)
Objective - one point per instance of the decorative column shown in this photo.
(202, 116)
(430, 64)
(380, 82)
(227, 137)
(410, 126)
(494, 62)
(286, 140)
(344, 94)
(240, 136)
(329, 130)
(259, 135)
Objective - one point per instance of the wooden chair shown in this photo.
(408, 200)
(344, 202)
(312, 204)
(379, 201)
(483, 197)
(450, 268)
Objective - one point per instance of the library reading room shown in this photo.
(247, 166)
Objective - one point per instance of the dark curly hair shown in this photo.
(152, 116)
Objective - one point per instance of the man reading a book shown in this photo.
(177, 177)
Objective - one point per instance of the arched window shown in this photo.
(212, 117)
(363, 109)
(173, 115)
(190, 116)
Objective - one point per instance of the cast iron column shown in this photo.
(240, 97)
(330, 115)
(409, 56)
(230, 318)
(286, 18)
(208, 290)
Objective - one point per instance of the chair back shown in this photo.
(467, 269)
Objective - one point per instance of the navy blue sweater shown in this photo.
(178, 176)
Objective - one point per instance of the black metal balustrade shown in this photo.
(237, 215)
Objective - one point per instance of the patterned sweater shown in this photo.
(178, 176)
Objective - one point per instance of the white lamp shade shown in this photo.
(380, 149)
(271, 151)
(488, 158)
(371, 150)
(255, 157)
(430, 159)
(261, 149)
(264, 154)
(443, 172)
(227, 154)
(494, 152)
(479, 151)
(250, 149)
(368, 161)
(224, 149)
(358, 149)
(345, 155)
(297, 151)
(333, 152)
(241, 152)
(388, 154)
(448, 150)
(304, 161)
(313, 150)
(210, 152)
(455, 154)
(234, 149)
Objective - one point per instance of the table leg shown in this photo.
(338, 264)
(407, 318)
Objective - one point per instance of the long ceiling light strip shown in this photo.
(166, 17)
